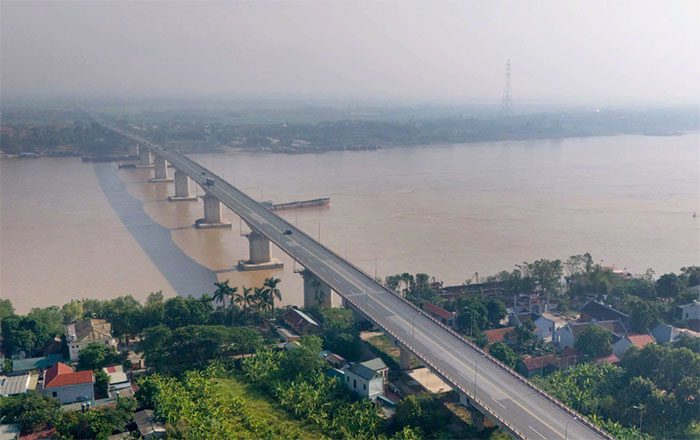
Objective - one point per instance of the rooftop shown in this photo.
(293, 311)
(11, 385)
(37, 363)
(640, 341)
(376, 364)
(438, 311)
(497, 334)
(89, 330)
(61, 375)
(147, 424)
(600, 312)
(363, 371)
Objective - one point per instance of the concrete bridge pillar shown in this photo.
(182, 188)
(259, 251)
(316, 292)
(161, 170)
(145, 158)
(478, 418)
(404, 358)
(133, 150)
(212, 214)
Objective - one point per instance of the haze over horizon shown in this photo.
(579, 52)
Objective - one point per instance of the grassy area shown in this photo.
(271, 413)
(384, 344)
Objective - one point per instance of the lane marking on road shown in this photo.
(537, 432)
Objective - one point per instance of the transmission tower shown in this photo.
(507, 103)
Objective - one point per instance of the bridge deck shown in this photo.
(519, 407)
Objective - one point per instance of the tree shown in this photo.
(101, 384)
(594, 341)
(32, 411)
(690, 275)
(669, 285)
(270, 285)
(6, 308)
(179, 312)
(244, 299)
(304, 360)
(546, 274)
(643, 315)
(124, 313)
(422, 411)
(223, 291)
(72, 311)
(503, 353)
(495, 311)
(195, 345)
(97, 355)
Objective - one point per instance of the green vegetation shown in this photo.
(594, 342)
(96, 356)
(660, 382)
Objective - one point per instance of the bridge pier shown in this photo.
(259, 251)
(212, 214)
(478, 418)
(161, 171)
(404, 358)
(182, 188)
(316, 292)
(145, 158)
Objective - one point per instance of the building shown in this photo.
(664, 333)
(65, 384)
(364, 381)
(499, 335)
(9, 431)
(624, 343)
(543, 326)
(12, 385)
(300, 322)
(148, 426)
(80, 334)
(594, 311)
(538, 365)
(36, 364)
(116, 375)
(442, 315)
(377, 365)
(566, 336)
(689, 313)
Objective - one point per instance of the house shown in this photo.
(287, 335)
(624, 343)
(566, 336)
(12, 385)
(533, 365)
(80, 334)
(364, 381)
(9, 431)
(116, 375)
(689, 312)
(300, 322)
(36, 364)
(377, 365)
(148, 426)
(442, 315)
(499, 335)
(65, 384)
(594, 311)
(543, 326)
(664, 333)
(335, 360)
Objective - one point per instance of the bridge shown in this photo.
(486, 386)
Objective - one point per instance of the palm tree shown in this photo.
(270, 285)
(259, 298)
(223, 290)
(244, 299)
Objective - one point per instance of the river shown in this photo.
(70, 229)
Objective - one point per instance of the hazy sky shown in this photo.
(561, 51)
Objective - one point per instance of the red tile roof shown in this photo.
(640, 341)
(439, 311)
(611, 359)
(61, 375)
(497, 334)
(535, 363)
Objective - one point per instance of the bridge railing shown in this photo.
(504, 367)
(473, 346)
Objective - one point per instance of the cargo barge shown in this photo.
(314, 203)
